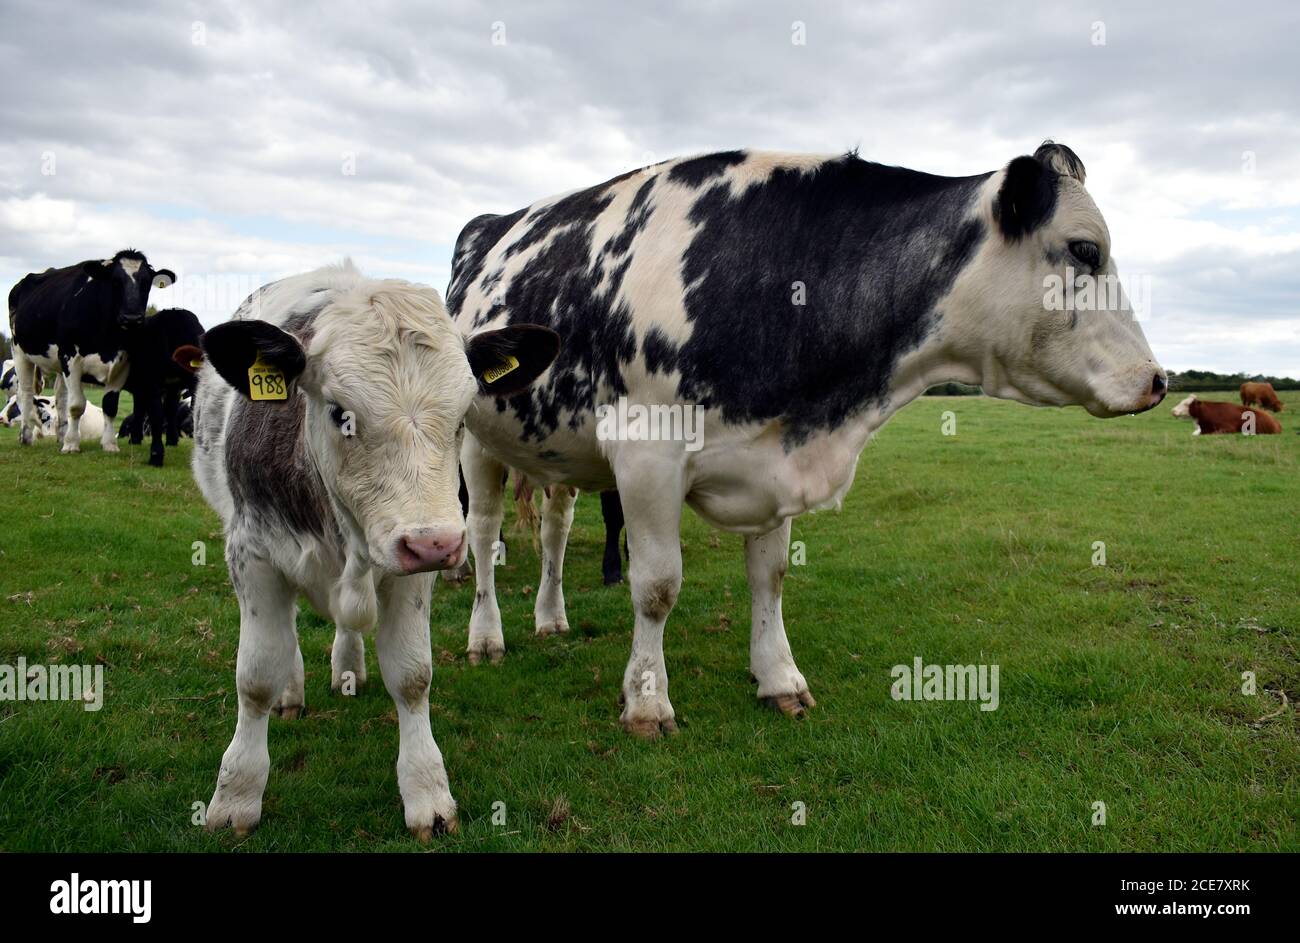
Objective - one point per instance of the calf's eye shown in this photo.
(1086, 252)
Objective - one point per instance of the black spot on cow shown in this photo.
(698, 171)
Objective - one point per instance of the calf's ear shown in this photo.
(188, 357)
(1027, 198)
(232, 348)
(509, 360)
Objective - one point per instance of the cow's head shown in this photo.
(387, 380)
(128, 276)
(1039, 336)
(1184, 409)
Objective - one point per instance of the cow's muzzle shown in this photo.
(430, 548)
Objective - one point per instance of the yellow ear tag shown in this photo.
(266, 381)
(196, 364)
(496, 373)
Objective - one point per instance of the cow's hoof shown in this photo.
(650, 729)
(554, 627)
(240, 817)
(792, 705)
(114, 447)
(70, 449)
(424, 833)
(486, 649)
(288, 711)
(156, 461)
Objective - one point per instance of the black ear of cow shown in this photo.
(1027, 198)
(233, 347)
(510, 359)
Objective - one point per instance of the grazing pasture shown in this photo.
(1118, 683)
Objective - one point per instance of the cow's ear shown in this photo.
(96, 269)
(234, 347)
(1027, 198)
(508, 360)
(188, 357)
(164, 278)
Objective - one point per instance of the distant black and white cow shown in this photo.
(66, 321)
(163, 354)
(326, 437)
(801, 301)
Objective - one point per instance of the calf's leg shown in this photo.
(611, 510)
(557, 520)
(780, 685)
(486, 507)
(652, 504)
(406, 661)
(265, 665)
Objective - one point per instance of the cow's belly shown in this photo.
(744, 480)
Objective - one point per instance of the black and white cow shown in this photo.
(801, 301)
(342, 487)
(64, 321)
(163, 354)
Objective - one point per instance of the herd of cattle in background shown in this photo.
(355, 435)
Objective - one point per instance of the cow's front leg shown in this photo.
(171, 420)
(117, 376)
(75, 404)
(780, 685)
(557, 520)
(264, 667)
(406, 662)
(652, 505)
(483, 476)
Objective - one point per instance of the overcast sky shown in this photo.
(236, 144)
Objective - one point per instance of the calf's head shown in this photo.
(1051, 324)
(386, 380)
(127, 278)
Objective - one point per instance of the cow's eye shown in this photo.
(1086, 252)
(338, 414)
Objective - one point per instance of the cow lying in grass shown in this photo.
(326, 436)
(1225, 418)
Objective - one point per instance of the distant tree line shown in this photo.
(1189, 381)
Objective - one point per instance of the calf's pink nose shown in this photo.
(430, 549)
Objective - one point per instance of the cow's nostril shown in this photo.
(1158, 384)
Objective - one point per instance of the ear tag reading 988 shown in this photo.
(509, 365)
(266, 382)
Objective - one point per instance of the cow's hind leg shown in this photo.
(290, 702)
(76, 405)
(486, 506)
(557, 520)
(611, 510)
(652, 504)
(264, 667)
(406, 661)
(780, 685)
(117, 377)
(29, 421)
(347, 661)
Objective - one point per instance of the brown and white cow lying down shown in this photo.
(1224, 418)
(326, 436)
(799, 301)
(1261, 394)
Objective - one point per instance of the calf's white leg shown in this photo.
(780, 685)
(347, 655)
(483, 476)
(290, 702)
(557, 520)
(265, 665)
(406, 662)
(652, 505)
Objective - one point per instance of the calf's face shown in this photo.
(1058, 330)
(387, 380)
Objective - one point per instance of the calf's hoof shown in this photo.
(288, 711)
(486, 649)
(242, 817)
(650, 729)
(69, 449)
(112, 446)
(553, 627)
(792, 705)
(424, 833)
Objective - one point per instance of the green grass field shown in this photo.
(1119, 683)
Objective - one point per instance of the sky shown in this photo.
(238, 142)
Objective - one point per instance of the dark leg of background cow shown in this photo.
(611, 509)
(156, 451)
(110, 408)
(171, 406)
